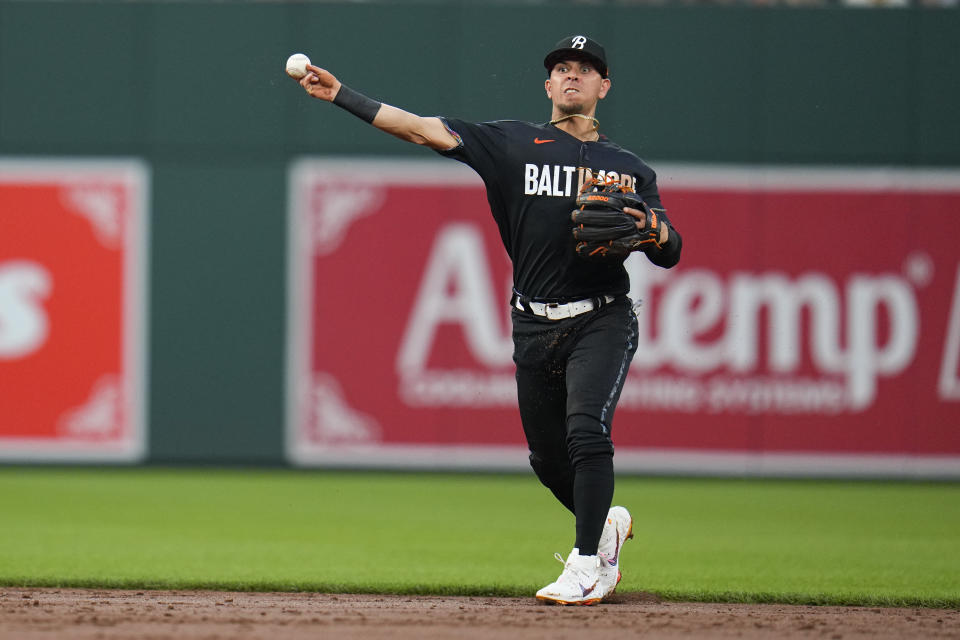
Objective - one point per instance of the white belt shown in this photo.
(554, 311)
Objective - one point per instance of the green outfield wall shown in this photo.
(196, 91)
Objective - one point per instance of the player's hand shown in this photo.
(642, 223)
(320, 83)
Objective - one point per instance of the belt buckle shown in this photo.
(557, 311)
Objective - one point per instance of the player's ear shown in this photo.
(546, 85)
(604, 87)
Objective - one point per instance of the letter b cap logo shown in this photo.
(577, 42)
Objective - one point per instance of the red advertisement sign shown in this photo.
(72, 309)
(812, 326)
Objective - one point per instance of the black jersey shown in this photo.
(532, 174)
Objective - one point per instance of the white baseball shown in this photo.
(297, 65)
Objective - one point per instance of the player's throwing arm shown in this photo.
(323, 85)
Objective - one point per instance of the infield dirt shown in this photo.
(32, 614)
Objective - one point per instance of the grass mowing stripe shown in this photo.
(860, 543)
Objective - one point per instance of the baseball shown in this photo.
(297, 65)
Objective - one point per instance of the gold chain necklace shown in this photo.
(596, 123)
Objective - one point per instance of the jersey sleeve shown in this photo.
(647, 188)
(669, 254)
(479, 146)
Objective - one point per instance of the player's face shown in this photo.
(575, 86)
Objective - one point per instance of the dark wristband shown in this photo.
(356, 103)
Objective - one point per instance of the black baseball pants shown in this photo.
(570, 374)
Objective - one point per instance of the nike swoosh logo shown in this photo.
(539, 141)
(586, 590)
(612, 560)
(616, 553)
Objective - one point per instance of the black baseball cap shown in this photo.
(578, 48)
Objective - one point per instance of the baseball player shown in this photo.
(574, 329)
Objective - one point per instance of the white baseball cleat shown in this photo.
(578, 584)
(616, 530)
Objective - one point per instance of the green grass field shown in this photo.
(820, 542)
